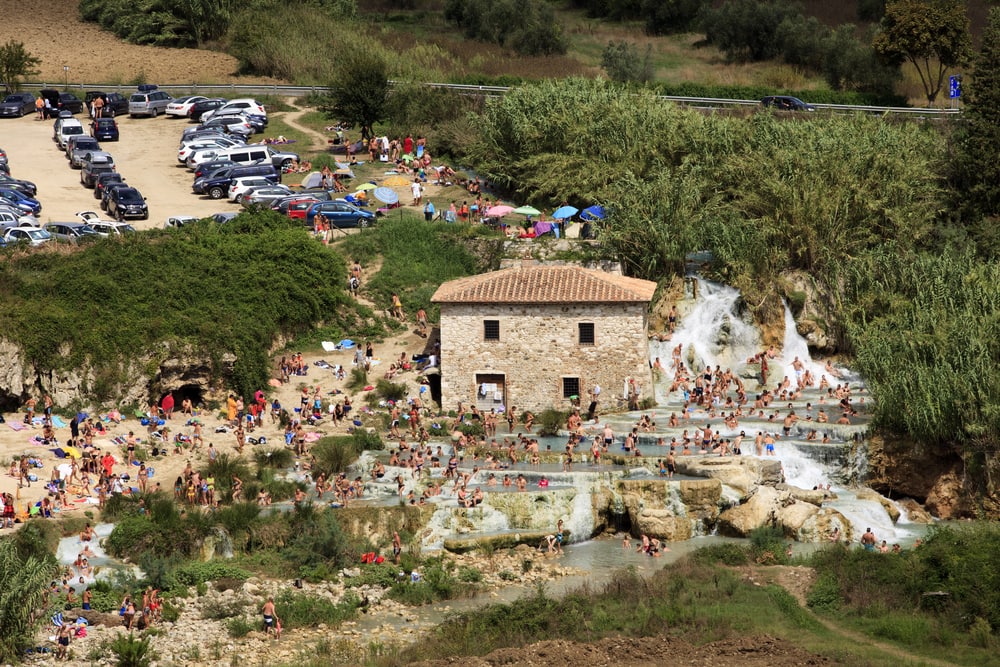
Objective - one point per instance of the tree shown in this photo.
(360, 91)
(933, 35)
(25, 576)
(623, 63)
(15, 62)
(975, 170)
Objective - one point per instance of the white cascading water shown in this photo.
(794, 346)
(712, 333)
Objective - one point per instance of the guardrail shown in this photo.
(246, 90)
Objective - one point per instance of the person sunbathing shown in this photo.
(305, 167)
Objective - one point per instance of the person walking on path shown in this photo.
(270, 618)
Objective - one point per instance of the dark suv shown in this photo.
(90, 171)
(114, 104)
(127, 203)
(61, 102)
(217, 185)
(104, 180)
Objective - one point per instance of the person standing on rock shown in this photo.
(397, 547)
(270, 618)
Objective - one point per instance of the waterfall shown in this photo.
(712, 333)
(794, 345)
(223, 542)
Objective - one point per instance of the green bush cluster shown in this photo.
(214, 288)
(187, 23)
(195, 572)
(529, 27)
(299, 610)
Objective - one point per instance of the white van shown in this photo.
(248, 154)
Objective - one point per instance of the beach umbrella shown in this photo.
(396, 180)
(81, 417)
(527, 210)
(499, 211)
(386, 196)
(73, 451)
(593, 213)
(365, 186)
(565, 212)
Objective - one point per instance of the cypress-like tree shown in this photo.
(976, 171)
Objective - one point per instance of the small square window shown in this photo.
(491, 329)
(586, 333)
(571, 387)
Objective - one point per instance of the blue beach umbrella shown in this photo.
(386, 195)
(564, 212)
(593, 213)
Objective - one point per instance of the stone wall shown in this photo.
(538, 347)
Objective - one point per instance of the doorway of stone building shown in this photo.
(491, 391)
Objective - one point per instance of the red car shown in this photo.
(297, 209)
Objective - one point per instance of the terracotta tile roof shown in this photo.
(545, 284)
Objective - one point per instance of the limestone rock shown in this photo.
(914, 511)
(888, 505)
(812, 496)
(741, 473)
(947, 499)
(760, 509)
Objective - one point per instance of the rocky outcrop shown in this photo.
(743, 474)
(134, 381)
(890, 507)
(812, 496)
(760, 509)
(914, 511)
(671, 510)
(935, 477)
(815, 318)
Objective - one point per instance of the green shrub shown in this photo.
(529, 27)
(550, 421)
(469, 575)
(390, 391)
(132, 651)
(729, 554)
(768, 545)
(825, 593)
(194, 573)
(279, 457)
(382, 575)
(223, 608)
(239, 626)
(298, 610)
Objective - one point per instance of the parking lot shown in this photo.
(146, 155)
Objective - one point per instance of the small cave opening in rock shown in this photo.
(9, 403)
(195, 393)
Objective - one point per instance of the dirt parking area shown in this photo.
(146, 155)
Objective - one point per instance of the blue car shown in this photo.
(21, 200)
(104, 129)
(340, 214)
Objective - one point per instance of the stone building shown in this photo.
(537, 336)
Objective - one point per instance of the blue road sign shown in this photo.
(954, 87)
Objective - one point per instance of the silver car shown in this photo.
(148, 104)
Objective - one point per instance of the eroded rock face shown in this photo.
(144, 377)
(741, 473)
(816, 321)
(812, 496)
(914, 511)
(760, 509)
(671, 510)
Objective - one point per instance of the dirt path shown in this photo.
(319, 140)
(797, 580)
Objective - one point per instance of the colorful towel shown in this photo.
(57, 422)
(16, 426)
(312, 437)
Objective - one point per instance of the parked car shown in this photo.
(231, 125)
(786, 103)
(103, 180)
(148, 104)
(71, 232)
(34, 236)
(198, 109)
(241, 185)
(212, 168)
(222, 218)
(21, 200)
(264, 195)
(340, 214)
(243, 105)
(181, 106)
(16, 105)
(90, 171)
(217, 185)
(14, 217)
(27, 187)
(107, 191)
(104, 129)
(97, 157)
(58, 102)
(193, 133)
(208, 147)
(115, 104)
(178, 221)
(111, 228)
(66, 128)
(77, 147)
(295, 203)
(127, 203)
